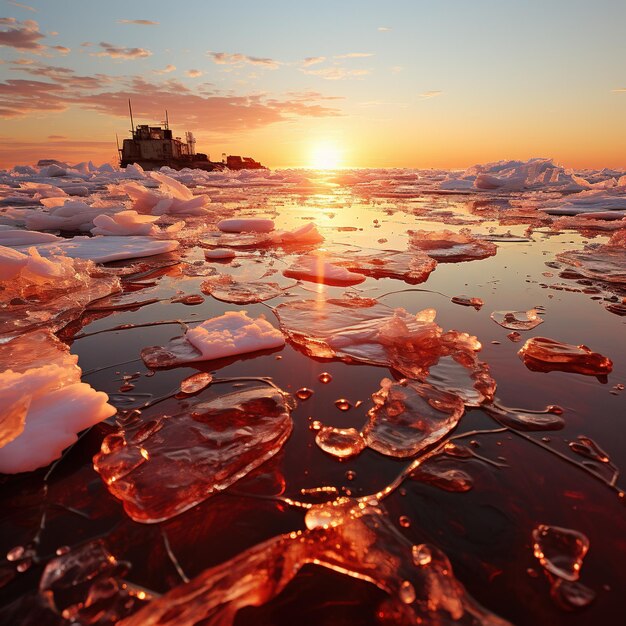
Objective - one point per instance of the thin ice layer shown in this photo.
(44, 384)
(226, 288)
(105, 249)
(449, 247)
(408, 417)
(606, 263)
(364, 330)
(517, 320)
(227, 335)
(161, 467)
(356, 540)
(51, 292)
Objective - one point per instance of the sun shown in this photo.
(326, 155)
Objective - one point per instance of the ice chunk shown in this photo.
(124, 223)
(363, 330)
(161, 467)
(517, 320)
(231, 334)
(541, 354)
(342, 443)
(105, 249)
(315, 268)
(590, 201)
(44, 383)
(449, 247)
(605, 263)
(408, 417)
(560, 550)
(47, 291)
(353, 539)
(226, 288)
(241, 225)
(172, 197)
(84, 586)
(302, 236)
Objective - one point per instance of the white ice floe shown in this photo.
(592, 201)
(231, 334)
(43, 402)
(104, 249)
(62, 213)
(172, 197)
(307, 234)
(215, 253)
(124, 223)
(256, 225)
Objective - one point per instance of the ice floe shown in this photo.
(47, 403)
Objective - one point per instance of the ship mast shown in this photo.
(132, 124)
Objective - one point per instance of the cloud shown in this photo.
(166, 70)
(619, 90)
(109, 95)
(117, 52)
(312, 61)
(62, 49)
(384, 29)
(53, 137)
(335, 73)
(22, 6)
(427, 95)
(21, 35)
(193, 73)
(139, 22)
(225, 58)
(354, 55)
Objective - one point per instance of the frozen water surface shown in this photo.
(249, 466)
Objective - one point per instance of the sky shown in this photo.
(354, 83)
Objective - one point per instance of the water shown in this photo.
(480, 508)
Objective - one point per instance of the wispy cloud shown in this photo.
(62, 49)
(22, 6)
(427, 95)
(57, 137)
(312, 61)
(193, 73)
(619, 90)
(166, 70)
(384, 29)
(354, 55)
(139, 22)
(23, 35)
(225, 58)
(118, 52)
(336, 73)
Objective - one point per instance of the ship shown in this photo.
(154, 147)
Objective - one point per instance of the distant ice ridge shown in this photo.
(534, 174)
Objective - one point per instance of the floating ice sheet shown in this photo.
(316, 268)
(449, 247)
(366, 331)
(164, 466)
(226, 288)
(517, 320)
(228, 335)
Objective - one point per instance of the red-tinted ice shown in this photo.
(162, 466)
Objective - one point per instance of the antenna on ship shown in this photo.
(132, 124)
(167, 121)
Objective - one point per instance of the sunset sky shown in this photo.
(411, 83)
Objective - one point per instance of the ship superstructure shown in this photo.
(154, 147)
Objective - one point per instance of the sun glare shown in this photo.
(326, 156)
